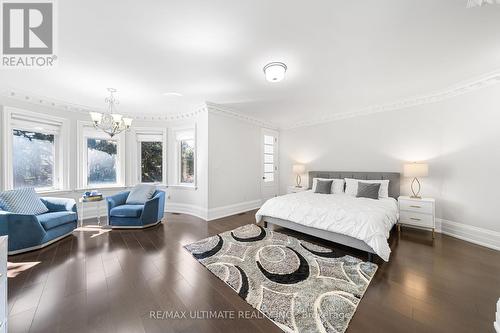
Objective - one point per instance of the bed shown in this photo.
(359, 223)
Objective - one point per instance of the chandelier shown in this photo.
(110, 122)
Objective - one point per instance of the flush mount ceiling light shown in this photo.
(275, 71)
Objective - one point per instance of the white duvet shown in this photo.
(364, 219)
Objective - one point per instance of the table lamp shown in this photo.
(415, 170)
(298, 169)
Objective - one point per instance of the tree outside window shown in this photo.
(101, 161)
(33, 159)
(187, 161)
(151, 162)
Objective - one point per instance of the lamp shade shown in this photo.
(415, 170)
(299, 169)
(96, 116)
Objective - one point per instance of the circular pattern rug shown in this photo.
(300, 286)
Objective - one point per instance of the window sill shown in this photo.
(183, 186)
(104, 187)
(54, 191)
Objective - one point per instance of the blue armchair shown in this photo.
(31, 232)
(121, 215)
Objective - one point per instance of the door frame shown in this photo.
(264, 185)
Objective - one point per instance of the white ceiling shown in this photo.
(341, 55)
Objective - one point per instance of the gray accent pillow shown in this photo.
(22, 201)
(324, 186)
(368, 190)
(140, 194)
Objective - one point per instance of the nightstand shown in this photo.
(295, 189)
(420, 213)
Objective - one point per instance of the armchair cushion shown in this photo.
(127, 211)
(140, 194)
(56, 219)
(22, 201)
(59, 204)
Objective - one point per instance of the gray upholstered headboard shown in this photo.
(394, 178)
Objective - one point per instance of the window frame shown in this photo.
(179, 136)
(87, 131)
(149, 134)
(14, 118)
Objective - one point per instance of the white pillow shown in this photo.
(352, 186)
(337, 185)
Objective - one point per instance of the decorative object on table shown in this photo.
(92, 196)
(298, 169)
(122, 214)
(415, 170)
(110, 122)
(420, 213)
(34, 230)
(286, 278)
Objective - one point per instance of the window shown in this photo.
(35, 150)
(187, 161)
(33, 159)
(186, 157)
(101, 161)
(151, 162)
(151, 155)
(269, 152)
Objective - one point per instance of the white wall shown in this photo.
(191, 200)
(458, 137)
(234, 165)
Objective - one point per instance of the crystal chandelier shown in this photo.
(110, 122)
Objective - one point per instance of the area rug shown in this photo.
(300, 286)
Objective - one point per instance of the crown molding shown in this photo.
(217, 109)
(34, 99)
(461, 88)
(458, 89)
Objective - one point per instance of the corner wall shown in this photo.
(179, 199)
(458, 137)
(234, 165)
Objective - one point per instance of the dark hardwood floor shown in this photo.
(110, 281)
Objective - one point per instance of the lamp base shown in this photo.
(415, 193)
(298, 181)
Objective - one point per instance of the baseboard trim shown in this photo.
(479, 236)
(172, 207)
(241, 207)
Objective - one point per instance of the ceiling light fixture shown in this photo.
(110, 122)
(275, 71)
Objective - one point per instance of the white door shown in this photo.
(270, 169)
